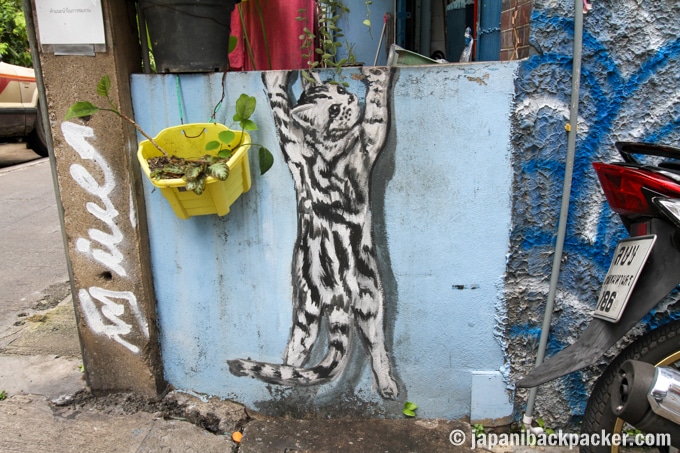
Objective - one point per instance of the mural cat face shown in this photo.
(328, 108)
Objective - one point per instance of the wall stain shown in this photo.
(479, 80)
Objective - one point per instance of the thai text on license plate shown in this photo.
(629, 259)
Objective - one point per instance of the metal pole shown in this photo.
(566, 193)
(143, 38)
(382, 35)
(27, 6)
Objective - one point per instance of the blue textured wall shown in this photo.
(441, 192)
(629, 91)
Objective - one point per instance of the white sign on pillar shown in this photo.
(71, 26)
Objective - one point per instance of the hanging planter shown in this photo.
(191, 141)
(189, 35)
(201, 168)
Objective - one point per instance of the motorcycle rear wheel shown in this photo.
(660, 347)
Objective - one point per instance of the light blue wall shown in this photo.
(466, 195)
(442, 216)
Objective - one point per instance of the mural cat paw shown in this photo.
(389, 389)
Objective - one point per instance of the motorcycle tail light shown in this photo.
(623, 187)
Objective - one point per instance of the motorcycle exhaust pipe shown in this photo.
(648, 398)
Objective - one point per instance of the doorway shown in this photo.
(436, 28)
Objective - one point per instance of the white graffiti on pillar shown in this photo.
(111, 257)
(112, 312)
(106, 318)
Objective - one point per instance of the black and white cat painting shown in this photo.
(330, 143)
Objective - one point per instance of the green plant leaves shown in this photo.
(212, 145)
(226, 137)
(409, 409)
(193, 172)
(219, 170)
(14, 37)
(266, 159)
(198, 186)
(248, 125)
(104, 86)
(245, 106)
(542, 425)
(170, 170)
(81, 109)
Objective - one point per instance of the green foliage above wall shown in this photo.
(13, 39)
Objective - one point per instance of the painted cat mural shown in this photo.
(330, 145)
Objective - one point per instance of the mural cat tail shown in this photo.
(293, 375)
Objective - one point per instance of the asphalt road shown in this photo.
(33, 270)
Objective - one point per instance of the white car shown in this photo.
(19, 116)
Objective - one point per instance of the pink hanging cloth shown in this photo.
(282, 31)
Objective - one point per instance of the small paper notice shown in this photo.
(70, 21)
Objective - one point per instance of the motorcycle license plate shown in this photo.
(629, 258)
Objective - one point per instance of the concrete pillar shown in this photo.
(101, 195)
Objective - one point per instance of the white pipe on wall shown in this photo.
(564, 208)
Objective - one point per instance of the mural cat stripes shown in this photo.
(330, 147)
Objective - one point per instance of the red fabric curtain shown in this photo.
(282, 31)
